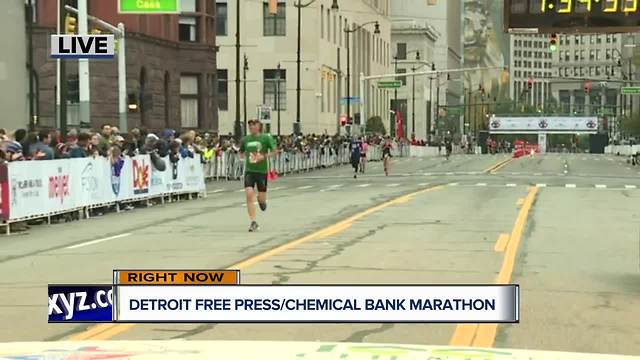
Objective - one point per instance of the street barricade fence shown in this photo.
(228, 165)
(39, 189)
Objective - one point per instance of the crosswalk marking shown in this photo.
(393, 185)
(427, 174)
(571, 186)
(541, 185)
(511, 185)
(239, 191)
(449, 173)
(453, 184)
(305, 187)
(423, 184)
(630, 187)
(215, 191)
(601, 186)
(364, 185)
(537, 174)
(481, 184)
(278, 188)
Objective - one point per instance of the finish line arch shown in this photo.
(543, 125)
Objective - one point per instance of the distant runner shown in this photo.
(356, 151)
(386, 154)
(363, 155)
(448, 148)
(256, 148)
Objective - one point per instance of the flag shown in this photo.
(399, 125)
(273, 7)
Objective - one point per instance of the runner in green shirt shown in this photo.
(256, 149)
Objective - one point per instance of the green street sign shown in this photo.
(631, 90)
(393, 84)
(148, 6)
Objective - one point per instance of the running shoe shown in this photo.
(253, 227)
(263, 206)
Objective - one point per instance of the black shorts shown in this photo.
(253, 179)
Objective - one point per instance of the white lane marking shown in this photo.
(239, 191)
(601, 186)
(449, 173)
(423, 184)
(305, 187)
(427, 174)
(515, 173)
(610, 159)
(92, 242)
(630, 187)
(332, 187)
(537, 174)
(541, 185)
(571, 186)
(393, 185)
(278, 188)
(363, 185)
(511, 185)
(481, 184)
(453, 184)
(215, 191)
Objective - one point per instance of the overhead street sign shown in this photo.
(393, 84)
(148, 6)
(350, 100)
(631, 90)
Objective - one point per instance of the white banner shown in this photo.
(317, 303)
(38, 188)
(543, 124)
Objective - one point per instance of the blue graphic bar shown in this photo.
(80, 303)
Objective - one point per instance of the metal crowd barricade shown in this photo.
(227, 165)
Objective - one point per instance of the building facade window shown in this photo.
(221, 19)
(271, 83)
(274, 24)
(223, 90)
(401, 51)
(189, 101)
(187, 28)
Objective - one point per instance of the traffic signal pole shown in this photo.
(84, 84)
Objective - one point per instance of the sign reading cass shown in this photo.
(537, 124)
(149, 6)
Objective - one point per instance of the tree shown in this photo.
(375, 125)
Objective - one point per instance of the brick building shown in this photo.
(171, 68)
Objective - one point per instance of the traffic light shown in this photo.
(343, 120)
(553, 42)
(70, 24)
(587, 87)
(530, 84)
(95, 31)
(132, 102)
(273, 7)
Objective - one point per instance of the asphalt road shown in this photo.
(576, 258)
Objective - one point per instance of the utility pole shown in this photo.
(62, 88)
(296, 126)
(339, 93)
(32, 115)
(84, 81)
(237, 128)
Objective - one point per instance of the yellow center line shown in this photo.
(497, 166)
(502, 242)
(484, 335)
(108, 331)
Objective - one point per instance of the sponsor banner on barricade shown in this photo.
(42, 187)
(39, 188)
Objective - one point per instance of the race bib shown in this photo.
(253, 157)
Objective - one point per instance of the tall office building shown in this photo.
(269, 42)
(531, 65)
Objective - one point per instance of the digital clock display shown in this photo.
(573, 15)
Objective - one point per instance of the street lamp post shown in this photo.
(244, 85)
(299, 5)
(348, 31)
(278, 97)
